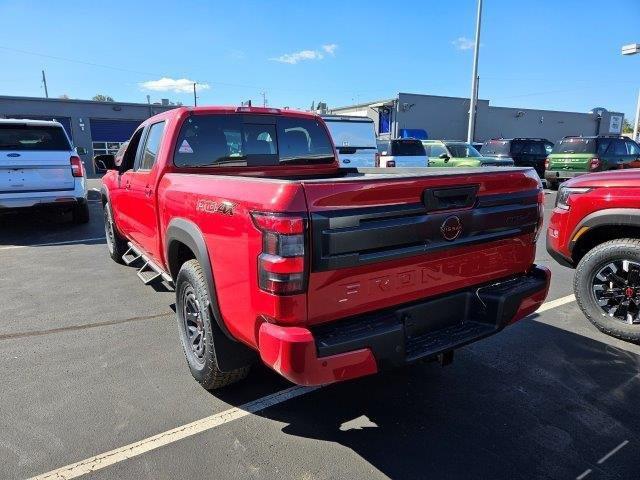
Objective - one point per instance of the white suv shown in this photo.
(40, 168)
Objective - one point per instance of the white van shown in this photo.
(402, 153)
(354, 138)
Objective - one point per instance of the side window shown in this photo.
(129, 156)
(151, 146)
(632, 148)
(619, 148)
(603, 147)
(437, 150)
(548, 148)
(383, 146)
(536, 148)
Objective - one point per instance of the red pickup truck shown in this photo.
(323, 273)
(595, 228)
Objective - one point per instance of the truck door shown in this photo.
(143, 213)
(119, 197)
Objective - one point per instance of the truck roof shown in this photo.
(234, 109)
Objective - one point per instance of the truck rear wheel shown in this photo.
(80, 213)
(196, 329)
(116, 244)
(607, 288)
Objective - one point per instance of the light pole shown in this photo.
(474, 78)
(632, 49)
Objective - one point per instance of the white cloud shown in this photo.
(179, 85)
(304, 55)
(330, 48)
(463, 43)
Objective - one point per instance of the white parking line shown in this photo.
(558, 302)
(612, 452)
(68, 242)
(138, 448)
(135, 449)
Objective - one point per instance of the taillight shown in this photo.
(594, 163)
(540, 215)
(377, 159)
(546, 164)
(282, 263)
(77, 167)
(391, 163)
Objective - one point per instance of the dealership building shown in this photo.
(447, 118)
(99, 127)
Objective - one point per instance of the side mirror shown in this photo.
(81, 150)
(104, 162)
(384, 153)
(444, 157)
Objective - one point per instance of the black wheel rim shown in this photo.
(193, 324)
(616, 289)
(108, 229)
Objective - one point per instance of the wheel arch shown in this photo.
(602, 226)
(185, 241)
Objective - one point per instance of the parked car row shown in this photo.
(356, 142)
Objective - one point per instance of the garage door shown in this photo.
(108, 135)
(65, 121)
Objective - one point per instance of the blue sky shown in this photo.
(560, 54)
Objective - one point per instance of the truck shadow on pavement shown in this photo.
(32, 227)
(534, 402)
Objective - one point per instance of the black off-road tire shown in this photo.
(116, 243)
(191, 289)
(80, 213)
(591, 263)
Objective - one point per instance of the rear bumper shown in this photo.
(363, 345)
(56, 198)
(561, 175)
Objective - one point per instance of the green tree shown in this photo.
(627, 126)
(102, 98)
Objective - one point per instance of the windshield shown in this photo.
(355, 134)
(407, 148)
(496, 147)
(462, 150)
(33, 137)
(238, 140)
(575, 145)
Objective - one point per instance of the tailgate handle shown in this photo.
(449, 198)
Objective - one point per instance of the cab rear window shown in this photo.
(407, 148)
(237, 140)
(496, 147)
(33, 137)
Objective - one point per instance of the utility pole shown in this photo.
(264, 98)
(633, 49)
(474, 78)
(44, 82)
(195, 99)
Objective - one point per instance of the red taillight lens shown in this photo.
(281, 265)
(391, 163)
(594, 164)
(77, 167)
(540, 215)
(377, 159)
(546, 164)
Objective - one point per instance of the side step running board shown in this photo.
(149, 272)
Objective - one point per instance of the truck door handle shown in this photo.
(148, 191)
(127, 186)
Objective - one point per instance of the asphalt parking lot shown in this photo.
(90, 362)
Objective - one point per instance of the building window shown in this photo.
(103, 148)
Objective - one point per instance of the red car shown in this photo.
(595, 228)
(323, 273)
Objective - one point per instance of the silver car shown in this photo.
(39, 167)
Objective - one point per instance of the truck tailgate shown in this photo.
(35, 171)
(385, 240)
